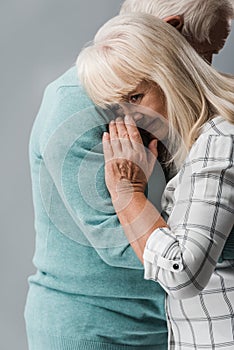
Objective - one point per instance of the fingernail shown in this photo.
(128, 118)
(119, 119)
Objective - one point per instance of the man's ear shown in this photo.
(175, 21)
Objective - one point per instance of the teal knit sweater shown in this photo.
(88, 291)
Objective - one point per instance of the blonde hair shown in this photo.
(130, 49)
(199, 15)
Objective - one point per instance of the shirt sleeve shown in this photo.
(183, 256)
(72, 181)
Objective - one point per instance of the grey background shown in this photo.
(39, 40)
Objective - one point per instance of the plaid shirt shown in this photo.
(183, 258)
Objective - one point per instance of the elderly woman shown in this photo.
(143, 62)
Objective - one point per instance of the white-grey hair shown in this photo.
(199, 15)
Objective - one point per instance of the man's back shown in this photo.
(88, 291)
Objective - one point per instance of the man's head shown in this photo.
(204, 23)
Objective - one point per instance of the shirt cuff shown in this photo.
(162, 251)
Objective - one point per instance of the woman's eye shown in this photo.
(136, 98)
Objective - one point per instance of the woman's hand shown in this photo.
(128, 164)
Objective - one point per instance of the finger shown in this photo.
(133, 133)
(123, 134)
(121, 128)
(137, 116)
(153, 147)
(114, 138)
(152, 154)
(107, 148)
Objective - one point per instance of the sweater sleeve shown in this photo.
(183, 256)
(72, 166)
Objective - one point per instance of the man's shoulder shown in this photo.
(63, 98)
(69, 85)
(65, 95)
(67, 79)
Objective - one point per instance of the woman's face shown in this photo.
(146, 104)
(148, 95)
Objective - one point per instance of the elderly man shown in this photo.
(88, 291)
(205, 24)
